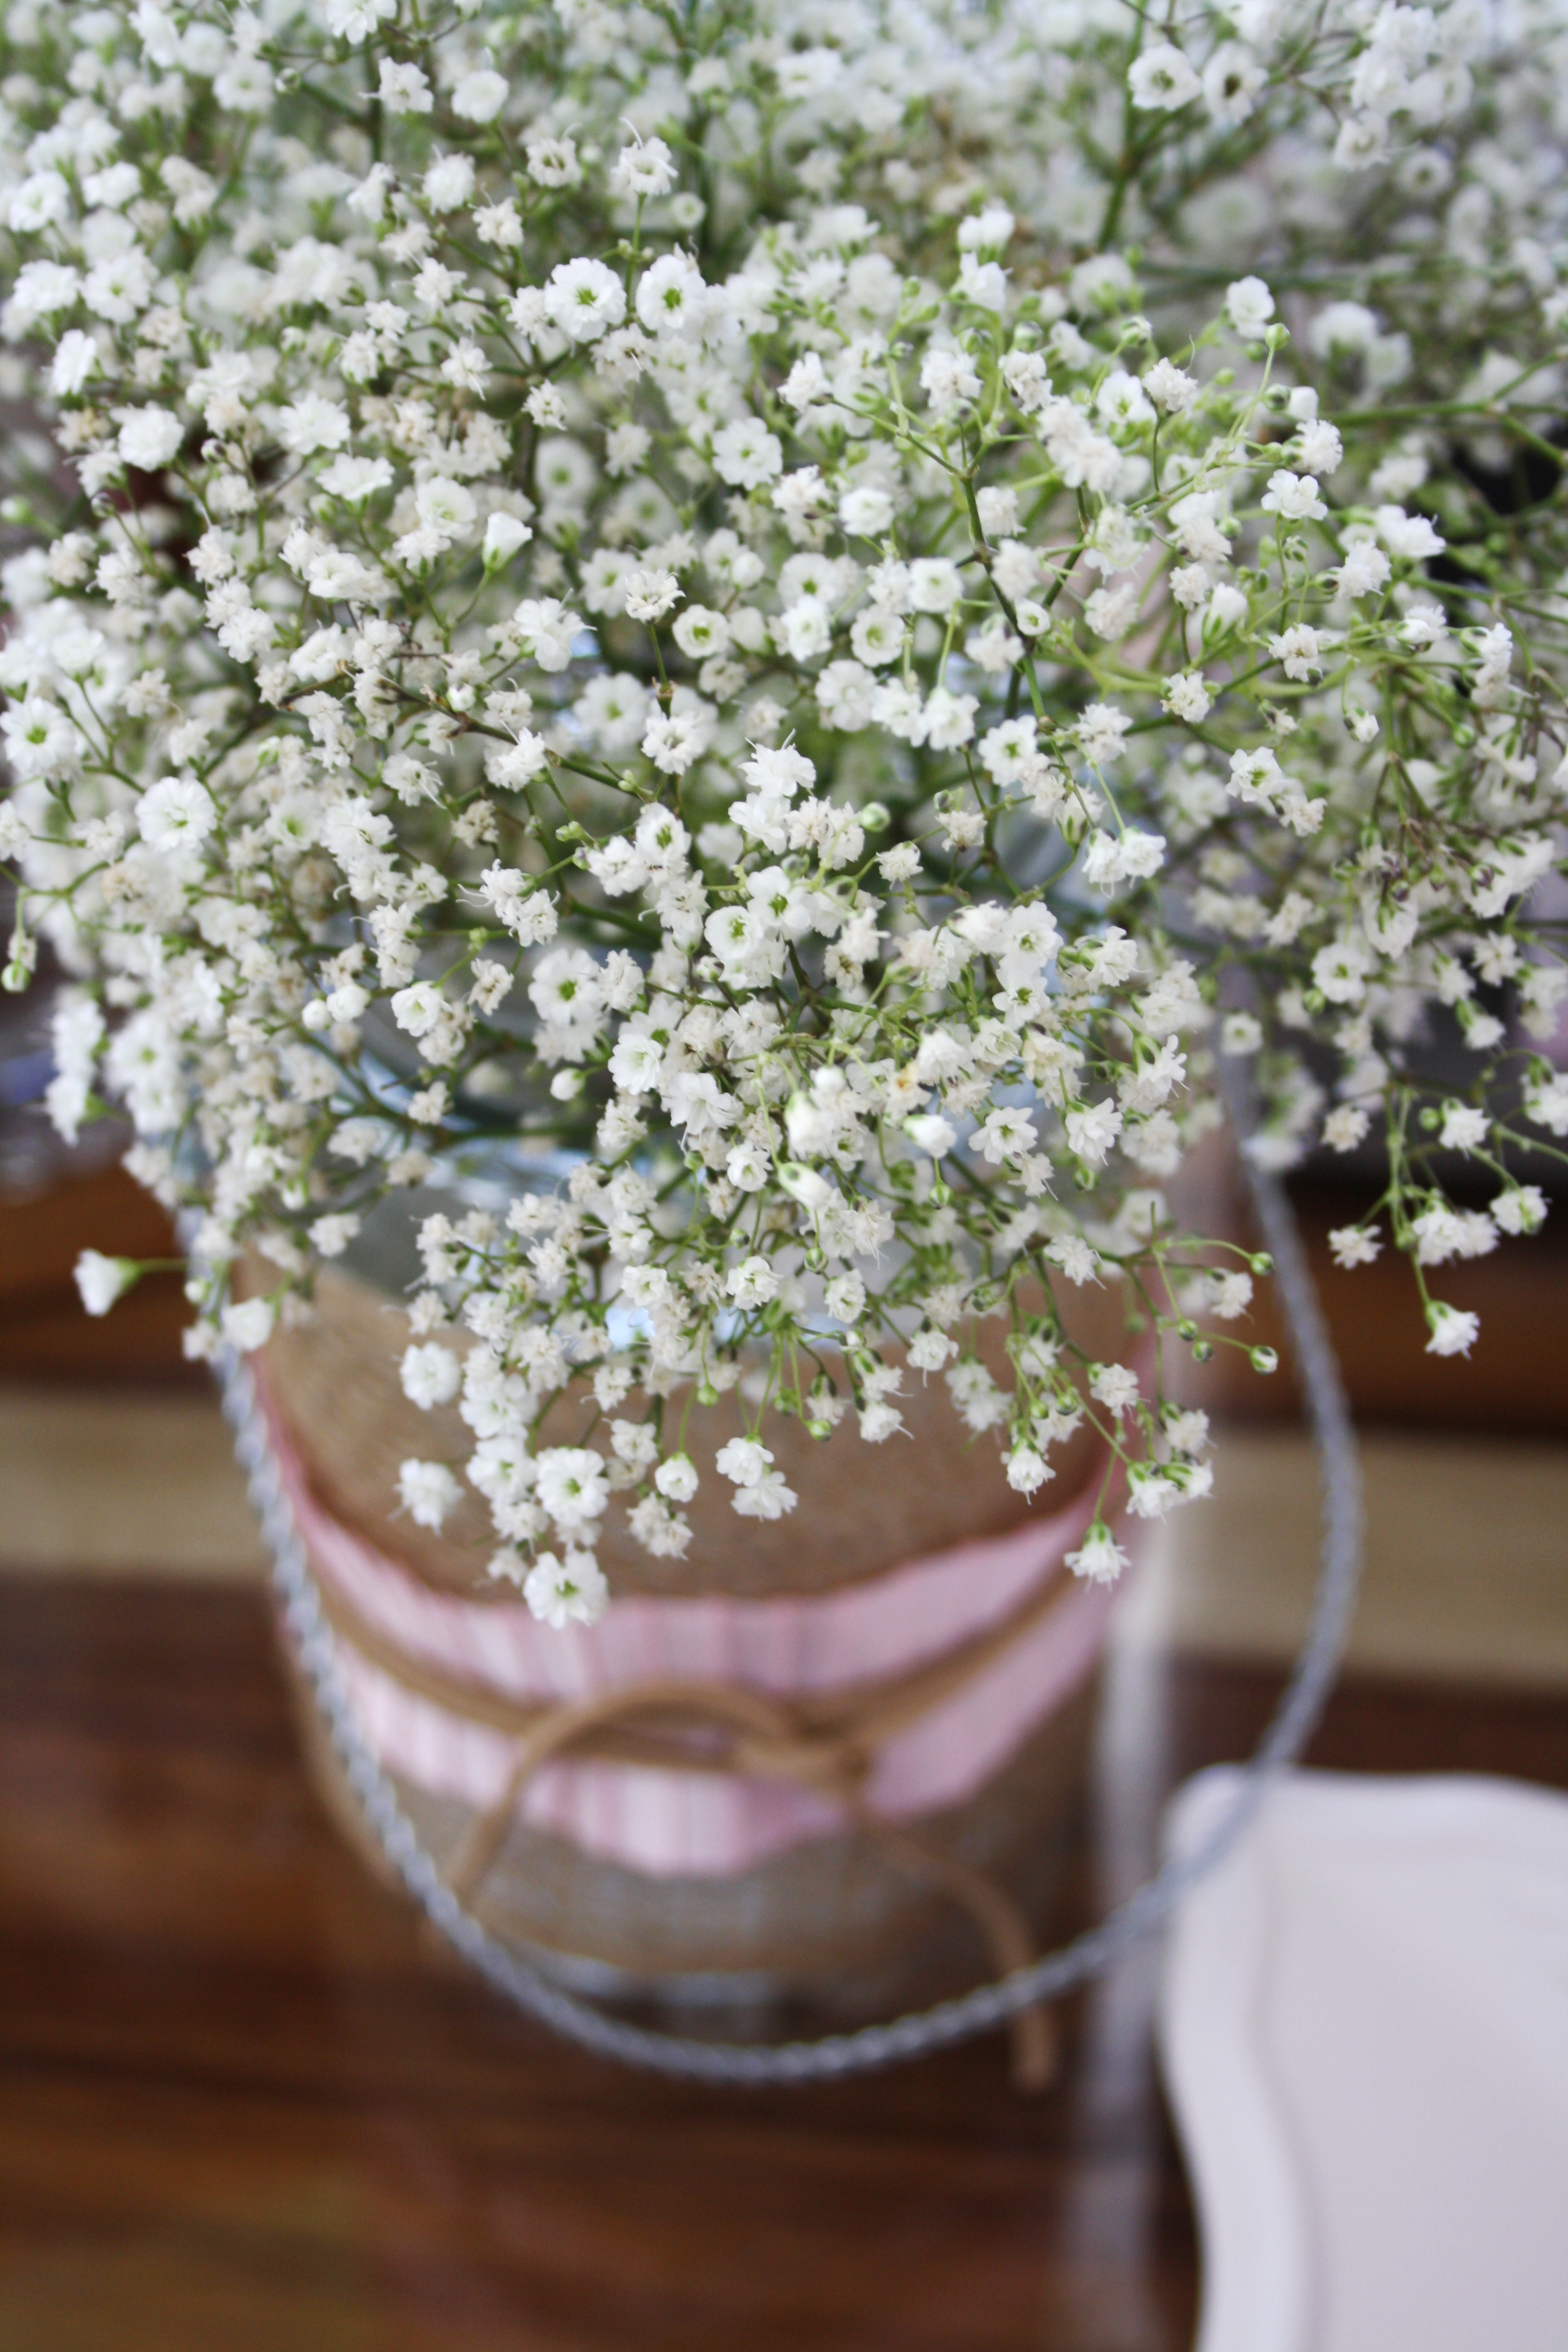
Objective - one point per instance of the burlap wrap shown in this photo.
(836, 1919)
(862, 1508)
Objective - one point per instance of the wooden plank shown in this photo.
(45, 1334)
(241, 2103)
(1466, 1570)
(122, 1480)
(1512, 1380)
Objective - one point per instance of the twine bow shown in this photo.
(824, 1741)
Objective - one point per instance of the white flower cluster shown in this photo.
(648, 590)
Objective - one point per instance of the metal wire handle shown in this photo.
(989, 2005)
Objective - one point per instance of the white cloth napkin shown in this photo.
(1364, 2032)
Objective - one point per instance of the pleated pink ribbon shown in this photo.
(793, 1648)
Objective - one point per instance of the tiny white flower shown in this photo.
(1453, 1329)
(480, 96)
(1150, 1494)
(672, 299)
(1187, 697)
(448, 183)
(1464, 1128)
(1520, 1209)
(930, 1133)
(1027, 1470)
(571, 1486)
(648, 594)
(742, 1461)
(504, 534)
(37, 200)
(149, 437)
(747, 1168)
(1008, 1133)
(331, 1234)
(866, 512)
(676, 1478)
(746, 455)
(76, 359)
(1250, 306)
(247, 1324)
(1092, 1131)
(1411, 537)
(355, 479)
(752, 1284)
(403, 88)
(175, 814)
(1297, 650)
(1100, 1559)
(551, 159)
(768, 1498)
(418, 1007)
(645, 169)
(431, 1375)
(846, 1297)
(1240, 1032)
(354, 20)
(1293, 498)
(585, 299)
(101, 1280)
(1365, 571)
(1115, 1386)
(566, 1592)
(1161, 79)
(314, 422)
(1232, 80)
(1346, 1127)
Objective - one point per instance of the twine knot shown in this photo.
(822, 1741)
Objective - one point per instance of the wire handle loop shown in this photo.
(989, 2005)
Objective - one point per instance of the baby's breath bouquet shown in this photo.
(807, 614)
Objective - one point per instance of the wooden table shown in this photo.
(242, 2104)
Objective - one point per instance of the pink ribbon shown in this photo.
(672, 1823)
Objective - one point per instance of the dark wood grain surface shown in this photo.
(242, 2104)
(45, 1333)
(1510, 1382)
